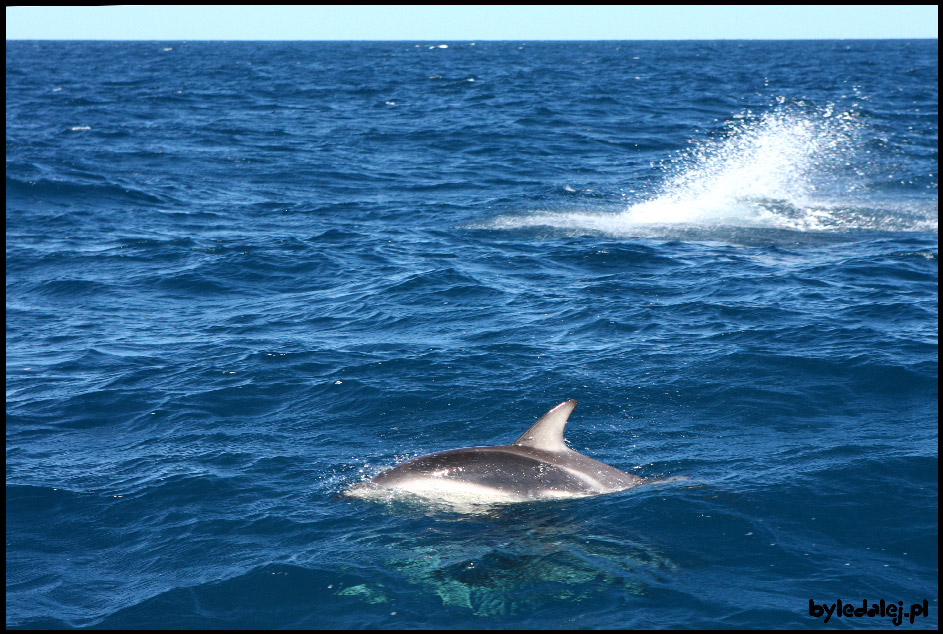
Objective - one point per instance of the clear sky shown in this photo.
(508, 22)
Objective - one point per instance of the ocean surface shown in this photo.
(242, 277)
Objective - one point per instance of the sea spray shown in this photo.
(794, 167)
(764, 170)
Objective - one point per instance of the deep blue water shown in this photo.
(242, 277)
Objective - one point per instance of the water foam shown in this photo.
(793, 167)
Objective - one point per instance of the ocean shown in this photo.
(242, 277)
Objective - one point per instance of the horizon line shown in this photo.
(694, 39)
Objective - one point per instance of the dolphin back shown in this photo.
(538, 465)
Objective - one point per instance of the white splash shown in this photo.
(761, 167)
(798, 168)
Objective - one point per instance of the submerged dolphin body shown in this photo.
(536, 466)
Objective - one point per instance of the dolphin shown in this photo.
(536, 466)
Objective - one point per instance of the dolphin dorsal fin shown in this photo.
(547, 432)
